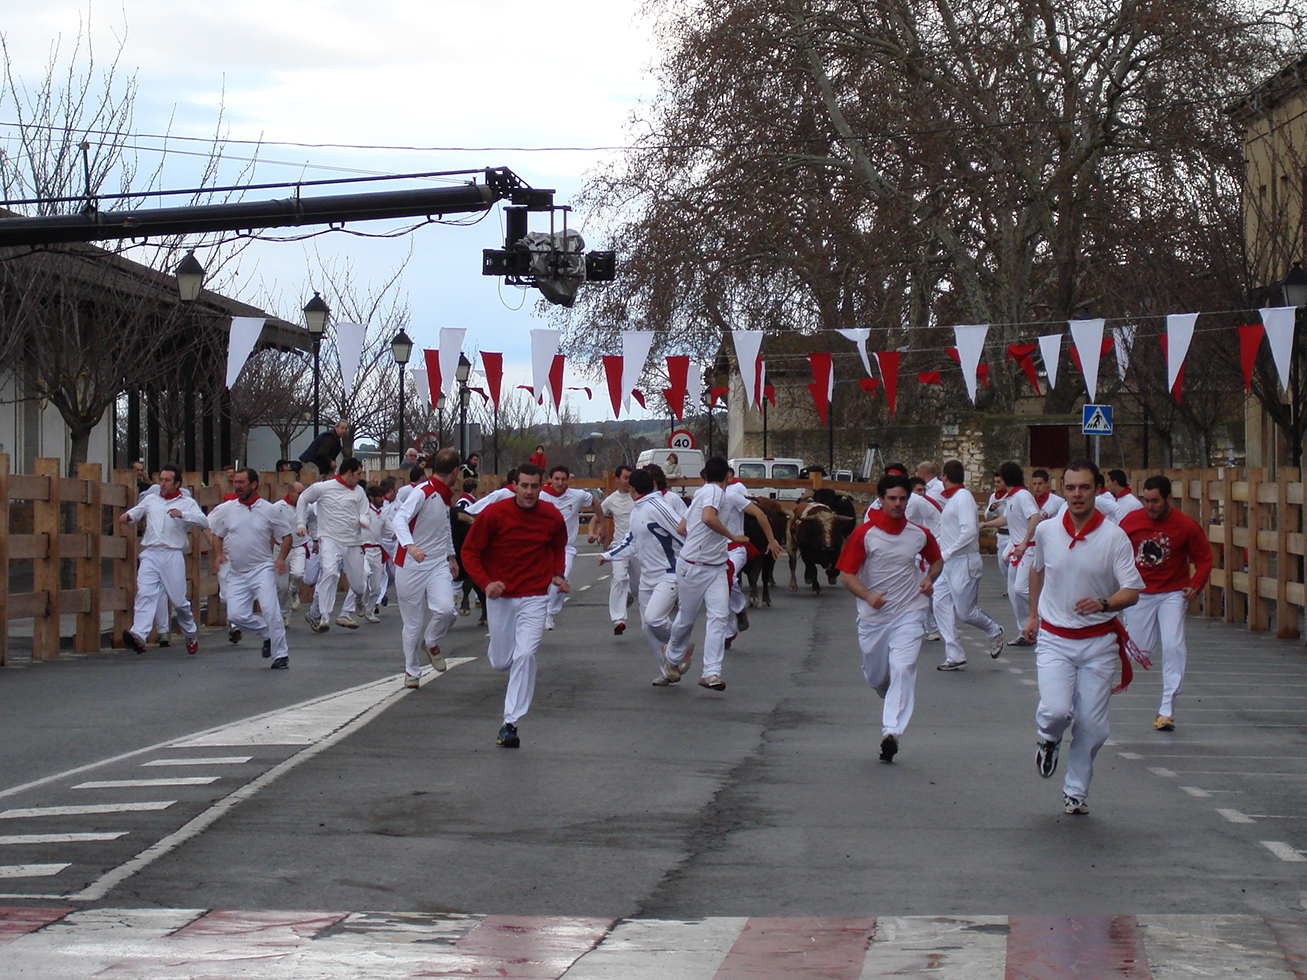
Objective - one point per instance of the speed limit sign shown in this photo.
(680, 439)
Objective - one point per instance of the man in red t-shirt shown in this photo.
(1165, 542)
(516, 549)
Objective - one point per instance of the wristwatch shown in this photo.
(1106, 606)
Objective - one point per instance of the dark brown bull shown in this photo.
(816, 533)
(763, 564)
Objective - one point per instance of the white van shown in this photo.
(769, 468)
(690, 461)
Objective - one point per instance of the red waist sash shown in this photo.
(1125, 647)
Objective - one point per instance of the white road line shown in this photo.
(1235, 816)
(1130, 755)
(59, 838)
(1015, 670)
(583, 588)
(1029, 682)
(1159, 771)
(1231, 772)
(217, 760)
(1283, 851)
(1195, 791)
(601, 578)
(77, 811)
(139, 783)
(31, 870)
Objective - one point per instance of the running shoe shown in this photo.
(549, 622)
(1046, 758)
(713, 681)
(1072, 805)
(281, 663)
(133, 641)
(410, 681)
(372, 617)
(952, 665)
(996, 644)
(1020, 641)
(889, 748)
(267, 649)
(323, 624)
(347, 620)
(508, 736)
(1164, 724)
(192, 644)
(233, 635)
(165, 639)
(742, 620)
(437, 659)
(934, 635)
(619, 629)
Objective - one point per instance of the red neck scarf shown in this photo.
(950, 491)
(1095, 519)
(879, 520)
(1043, 500)
(171, 496)
(1000, 494)
(549, 489)
(1127, 489)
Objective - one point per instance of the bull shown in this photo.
(762, 564)
(816, 533)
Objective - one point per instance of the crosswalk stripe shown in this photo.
(220, 760)
(83, 809)
(1087, 947)
(59, 838)
(31, 870)
(830, 949)
(139, 783)
(1283, 851)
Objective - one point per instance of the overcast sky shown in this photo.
(393, 73)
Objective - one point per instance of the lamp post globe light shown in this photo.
(190, 278)
(316, 312)
(461, 373)
(588, 454)
(402, 348)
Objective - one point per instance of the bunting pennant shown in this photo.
(888, 362)
(1250, 341)
(1179, 334)
(1278, 322)
(1050, 351)
(971, 344)
(242, 335)
(1179, 375)
(1087, 335)
(544, 345)
(717, 393)
(823, 380)
(1023, 354)
(982, 370)
(421, 387)
(638, 395)
(613, 375)
(769, 392)
(678, 376)
(451, 346)
(859, 336)
(480, 391)
(432, 357)
(930, 378)
(350, 338)
(748, 344)
(694, 385)
(589, 395)
(556, 383)
(869, 385)
(635, 350)
(493, 364)
(1123, 340)
(761, 387)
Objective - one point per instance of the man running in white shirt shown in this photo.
(161, 572)
(1118, 485)
(288, 584)
(365, 601)
(343, 516)
(736, 504)
(425, 566)
(653, 539)
(245, 531)
(617, 507)
(958, 587)
(1083, 574)
(1106, 503)
(879, 565)
(928, 472)
(1018, 508)
(494, 496)
(570, 502)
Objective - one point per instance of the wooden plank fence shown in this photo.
(62, 535)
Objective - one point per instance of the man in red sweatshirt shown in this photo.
(516, 549)
(1165, 543)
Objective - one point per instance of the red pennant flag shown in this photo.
(494, 366)
(1108, 344)
(714, 394)
(769, 392)
(1023, 354)
(613, 374)
(638, 395)
(528, 389)
(479, 391)
(1250, 342)
(588, 393)
(869, 385)
(930, 378)
(433, 374)
(1179, 377)
(820, 386)
(889, 371)
(556, 381)
(678, 375)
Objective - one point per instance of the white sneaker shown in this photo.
(347, 620)
(372, 617)
(549, 622)
(934, 635)
(996, 644)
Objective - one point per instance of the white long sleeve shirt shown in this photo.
(959, 525)
(423, 520)
(652, 537)
(286, 512)
(162, 530)
(343, 511)
(250, 532)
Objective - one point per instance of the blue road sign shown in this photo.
(1097, 420)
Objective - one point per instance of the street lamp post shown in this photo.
(316, 312)
(589, 455)
(190, 280)
(1295, 295)
(462, 372)
(402, 348)
(440, 422)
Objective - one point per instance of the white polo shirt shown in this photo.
(618, 506)
(883, 555)
(1096, 566)
(249, 532)
(703, 545)
(1020, 508)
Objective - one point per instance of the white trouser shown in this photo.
(1156, 624)
(1075, 680)
(374, 584)
(161, 575)
(556, 598)
(336, 558)
(243, 588)
(738, 557)
(956, 593)
(421, 588)
(289, 583)
(161, 623)
(619, 587)
(657, 597)
(703, 586)
(1018, 585)
(889, 662)
(516, 627)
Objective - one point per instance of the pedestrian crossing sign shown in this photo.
(1097, 420)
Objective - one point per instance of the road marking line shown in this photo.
(1195, 791)
(136, 783)
(59, 838)
(1015, 670)
(1283, 851)
(1159, 771)
(1130, 755)
(1029, 682)
(1231, 772)
(583, 588)
(31, 870)
(218, 760)
(1235, 816)
(601, 578)
(77, 811)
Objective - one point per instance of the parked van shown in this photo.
(777, 468)
(690, 461)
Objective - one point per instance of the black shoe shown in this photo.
(619, 629)
(130, 639)
(742, 620)
(1046, 758)
(267, 649)
(508, 737)
(233, 635)
(281, 663)
(889, 747)
(385, 600)
(164, 641)
(952, 665)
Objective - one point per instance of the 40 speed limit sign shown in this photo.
(680, 439)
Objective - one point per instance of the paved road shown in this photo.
(761, 804)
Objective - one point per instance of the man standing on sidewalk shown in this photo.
(425, 566)
(879, 565)
(617, 508)
(161, 572)
(516, 551)
(1082, 574)
(1165, 542)
(958, 588)
(244, 532)
(342, 517)
(570, 502)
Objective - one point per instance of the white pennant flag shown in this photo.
(242, 335)
(1087, 335)
(421, 384)
(748, 343)
(693, 386)
(635, 351)
(544, 345)
(1278, 321)
(1050, 349)
(1123, 344)
(859, 336)
(1179, 334)
(762, 384)
(350, 338)
(971, 344)
(451, 345)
